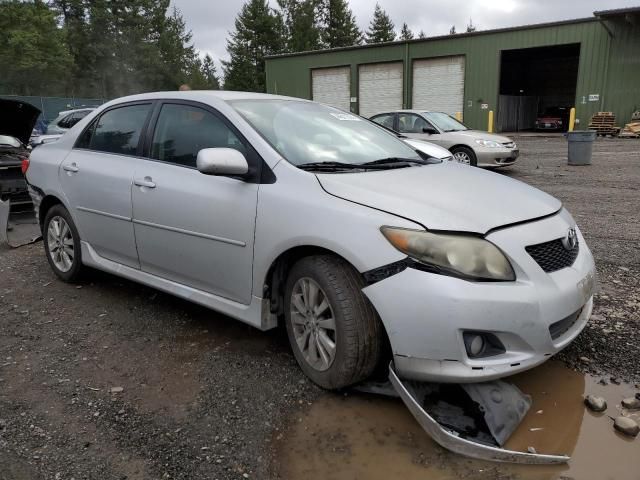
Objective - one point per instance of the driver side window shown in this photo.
(183, 130)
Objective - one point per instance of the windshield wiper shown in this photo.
(331, 166)
(383, 164)
(395, 161)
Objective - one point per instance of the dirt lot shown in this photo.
(113, 380)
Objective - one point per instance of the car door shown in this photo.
(96, 178)
(192, 228)
(413, 126)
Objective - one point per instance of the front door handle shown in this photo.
(144, 182)
(73, 168)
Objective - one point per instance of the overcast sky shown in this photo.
(211, 20)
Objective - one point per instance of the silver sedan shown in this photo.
(473, 147)
(275, 210)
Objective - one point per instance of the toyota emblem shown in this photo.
(571, 240)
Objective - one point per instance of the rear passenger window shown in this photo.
(117, 131)
(386, 120)
(183, 130)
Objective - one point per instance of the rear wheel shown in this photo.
(62, 244)
(464, 155)
(333, 330)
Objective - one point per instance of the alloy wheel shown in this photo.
(313, 323)
(60, 244)
(462, 157)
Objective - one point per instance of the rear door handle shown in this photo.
(144, 182)
(73, 168)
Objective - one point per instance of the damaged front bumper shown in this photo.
(426, 315)
(484, 445)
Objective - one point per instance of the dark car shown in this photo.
(554, 118)
(17, 120)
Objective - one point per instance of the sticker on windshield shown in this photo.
(345, 117)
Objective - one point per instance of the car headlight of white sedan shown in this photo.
(489, 143)
(461, 255)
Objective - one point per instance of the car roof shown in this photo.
(407, 110)
(74, 110)
(202, 96)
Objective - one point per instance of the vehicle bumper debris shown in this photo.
(449, 417)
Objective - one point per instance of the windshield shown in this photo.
(10, 141)
(444, 122)
(306, 132)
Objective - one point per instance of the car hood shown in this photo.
(427, 148)
(445, 196)
(472, 135)
(17, 119)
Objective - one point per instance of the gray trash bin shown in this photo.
(580, 146)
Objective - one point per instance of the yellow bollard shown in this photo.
(490, 129)
(572, 118)
(459, 116)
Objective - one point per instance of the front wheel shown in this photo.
(334, 332)
(464, 155)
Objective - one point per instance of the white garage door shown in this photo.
(332, 86)
(438, 84)
(380, 88)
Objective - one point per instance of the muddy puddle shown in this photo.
(370, 437)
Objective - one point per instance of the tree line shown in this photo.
(111, 48)
(97, 48)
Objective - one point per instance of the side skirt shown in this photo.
(257, 313)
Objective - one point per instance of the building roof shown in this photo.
(617, 12)
(447, 37)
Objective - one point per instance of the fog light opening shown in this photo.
(482, 344)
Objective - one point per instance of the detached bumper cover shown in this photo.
(425, 314)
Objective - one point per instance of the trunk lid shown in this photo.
(17, 119)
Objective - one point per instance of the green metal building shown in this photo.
(591, 63)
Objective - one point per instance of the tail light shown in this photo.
(24, 165)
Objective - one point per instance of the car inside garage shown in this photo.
(537, 87)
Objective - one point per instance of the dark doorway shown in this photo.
(537, 87)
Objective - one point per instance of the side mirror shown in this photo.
(429, 130)
(221, 161)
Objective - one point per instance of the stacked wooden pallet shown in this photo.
(604, 123)
(630, 130)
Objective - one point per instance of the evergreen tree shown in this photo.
(339, 25)
(381, 28)
(301, 24)
(422, 34)
(406, 33)
(33, 52)
(210, 73)
(452, 30)
(258, 33)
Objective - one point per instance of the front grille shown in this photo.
(509, 144)
(560, 328)
(552, 256)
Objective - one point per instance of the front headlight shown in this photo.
(488, 143)
(461, 255)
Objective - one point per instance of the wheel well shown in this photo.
(276, 277)
(460, 145)
(45, 205)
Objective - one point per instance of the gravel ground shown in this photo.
(113, 380)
